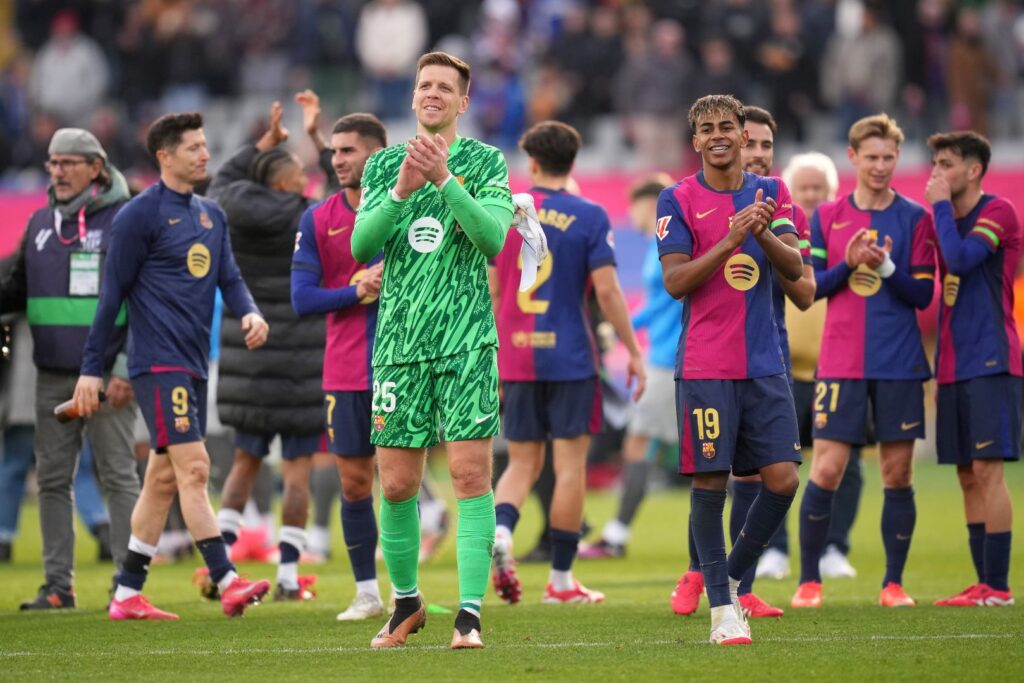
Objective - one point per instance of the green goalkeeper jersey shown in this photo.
(434, 299)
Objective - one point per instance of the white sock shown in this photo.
(141, 547)
(319, 540)
(251, 516)
(503, 536)
(288, 572)
(288, 575)
(561, 580)
(734, 588)
(124, 593)
(368, 586)
(471, 606)
(226, 581)
(615, 532)
(267, 523)
(721, 614)
(229, 521)
(294, 536)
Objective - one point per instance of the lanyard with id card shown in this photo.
(83, 266)
(84, 273)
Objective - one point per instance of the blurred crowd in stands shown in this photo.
(112, 66)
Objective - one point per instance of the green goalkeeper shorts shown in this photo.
(414, 402)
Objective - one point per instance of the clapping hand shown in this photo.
(277, 133)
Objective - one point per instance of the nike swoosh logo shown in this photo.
(983, 444)
(484, 418)
(907, 427)
(817, 518)
(901, 537)
(706, 213)
(332, 233)
(840, 226)
(173, 221)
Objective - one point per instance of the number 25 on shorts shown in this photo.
(383, 397)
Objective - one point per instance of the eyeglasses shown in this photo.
(62, 164)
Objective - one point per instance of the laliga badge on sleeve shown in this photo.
(535, 242)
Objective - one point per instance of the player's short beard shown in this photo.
(757, 168)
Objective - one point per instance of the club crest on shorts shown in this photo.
(378, 423)
(708, 450)
(181, 424)
(820, 420)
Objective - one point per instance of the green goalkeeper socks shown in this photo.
(400, 543)
(474, 543)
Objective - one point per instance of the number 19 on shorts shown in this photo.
(383, 397)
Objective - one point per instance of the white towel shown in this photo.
(535, 243)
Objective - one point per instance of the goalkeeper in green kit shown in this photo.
(440, 207)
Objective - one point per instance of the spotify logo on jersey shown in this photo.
(950, 288)
(864, 281)
(741, 272)
(425, 234)
(198, 260)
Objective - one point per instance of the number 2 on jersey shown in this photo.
(527, 304)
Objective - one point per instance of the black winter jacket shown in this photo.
(277, 388)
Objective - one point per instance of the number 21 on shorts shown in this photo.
(823, 389)
(383, 397)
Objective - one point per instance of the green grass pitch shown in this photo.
(633, 636)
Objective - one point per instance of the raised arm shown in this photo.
(681, 273)
(961, 254)
(379, 212)
(485, 218)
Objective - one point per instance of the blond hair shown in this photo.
(877, 126)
